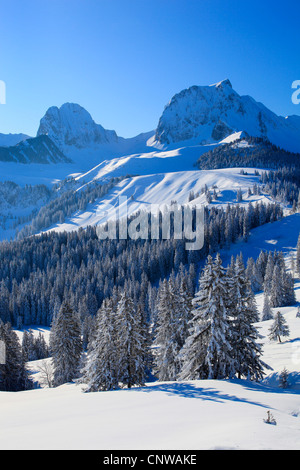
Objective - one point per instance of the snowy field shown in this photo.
(146, 192)
(184, 415)
(194, 415)
(201, 415)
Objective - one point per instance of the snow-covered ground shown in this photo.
(207, 414)
(173, 415)
(182, 415)
(147, 191)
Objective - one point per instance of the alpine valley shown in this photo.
(181, 341)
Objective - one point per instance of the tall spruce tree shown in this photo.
(65, 345)
(207, 351)
(130, 343)
(282, 288)
(101, 368)
(14, 376)
(166, 358)
(267, 313)
(268, 277)
(278, 328)
(245, 346)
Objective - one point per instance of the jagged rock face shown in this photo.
(72, 126)
(34, 150)
(220, 131)
(208, 114)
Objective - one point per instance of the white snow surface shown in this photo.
(149, 191)
(199, 415)
(191, 415)
(183, 415)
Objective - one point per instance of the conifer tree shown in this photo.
(279, 328)
(269, 273)
(283, 378)
(289, 297)
(253, 275)
(28, 349)
(267, 313)
(41, 350)
(282, 288)
(246, 350)
(14, 376)
(65, 345)
(167, 363)
(207, 351)
(101, 368)
(131, 365)
(184, 313)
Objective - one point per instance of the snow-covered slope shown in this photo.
(40, 150)
(209, 114)
(140, 192)
(187, 415)
(193, 415)
(173, 415)
(78, 136)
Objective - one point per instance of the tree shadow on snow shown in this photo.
(190, 390)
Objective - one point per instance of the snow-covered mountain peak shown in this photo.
(72, 126)
(209, 114)
(223, 83)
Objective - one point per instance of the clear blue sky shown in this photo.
(123, 60)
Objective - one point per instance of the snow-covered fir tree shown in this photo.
(14, 375)
(130, 343)
(184, 310)
(267, 313)
(65, 345)
(41, 349)
(101, 368)
(261, 264)
(254, 276)
(289, 296)
(282, 288)
(279, 327)
(207, 351)
(284, 378)
(28, 349)
(168, 338)
(246, 349)
(34, 348)
(268, 277)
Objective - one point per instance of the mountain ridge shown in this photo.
(212, 113)
(41, 150)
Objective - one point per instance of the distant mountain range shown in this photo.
(199, 115)
(39, 149)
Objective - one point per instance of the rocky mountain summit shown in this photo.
(72, 126)
(208, 114)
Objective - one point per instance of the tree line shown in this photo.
(37, 273)
(202, 332)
